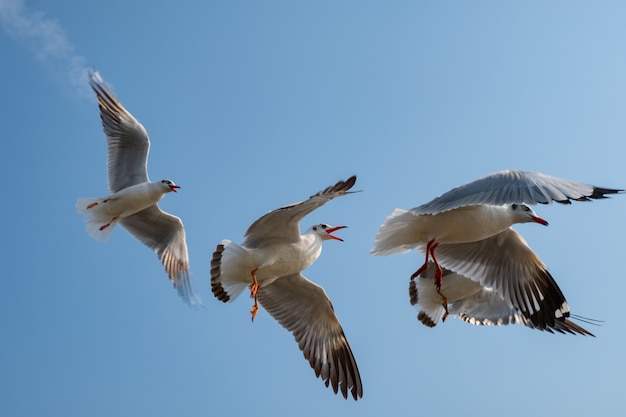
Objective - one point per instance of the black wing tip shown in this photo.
(95, 81)
(107, 101)
(356, 390)
(600, 192)
(563, 326)
(343, 373)
(340, 187)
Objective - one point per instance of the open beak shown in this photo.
(333, 229)
(174, 187)
(540, 220)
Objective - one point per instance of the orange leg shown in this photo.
(254, 288)
(109, 223)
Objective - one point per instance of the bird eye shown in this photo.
(526, 208)
(324, 226)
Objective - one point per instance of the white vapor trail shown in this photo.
(45, 38)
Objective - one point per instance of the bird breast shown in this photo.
(133, 199)
(283, 259)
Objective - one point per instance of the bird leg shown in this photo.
(95, 203)
(425, 266)
(439, 280)
(104, 226)
(254, 288)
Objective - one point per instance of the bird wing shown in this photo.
(481, 306)
(165, 235)
(506, 264)
(127, 140)
(303, 308)
(283, 225)
(508, 187)
(467, 299)
(486, 307)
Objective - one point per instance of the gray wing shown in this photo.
(506, 264)
(165, 235)
(303, 308)
(283, 225)
(127, 140)
(508, 187)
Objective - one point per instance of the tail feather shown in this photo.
(422, 292)
(394, 235)
(226, 281)
(95, 219)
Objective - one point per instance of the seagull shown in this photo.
(269, 262)
(469, 229)
(133, 197)
(472, 303)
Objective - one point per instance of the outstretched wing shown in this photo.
(165, 235)
(508, 187)
(519, 277)
(127, 140)
(283, 225)
(303, 308)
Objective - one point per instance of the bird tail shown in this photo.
(226, 275)
(423, 292)
(98, 224)
(394, 235)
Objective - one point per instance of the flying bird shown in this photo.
(132, 200)
(269, 263)
(467, 230)
(473, 303)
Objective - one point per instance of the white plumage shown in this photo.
(133, 198)
(269, 262)
(467, 230)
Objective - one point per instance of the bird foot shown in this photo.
(254, 310)
(419, 271)
(254, 288)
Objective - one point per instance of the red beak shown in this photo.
(540, 220)
(174, 187)
(333, 229)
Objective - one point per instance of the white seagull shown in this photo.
(472, 303)
(269, 262)
(133, 197)
(469, 229)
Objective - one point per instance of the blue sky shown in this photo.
(254, 105)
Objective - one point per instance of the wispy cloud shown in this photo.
(45, 39)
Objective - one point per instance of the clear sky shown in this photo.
(253, 105)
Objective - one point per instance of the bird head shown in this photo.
(170, 185)
(325, 231)
(525, 214)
